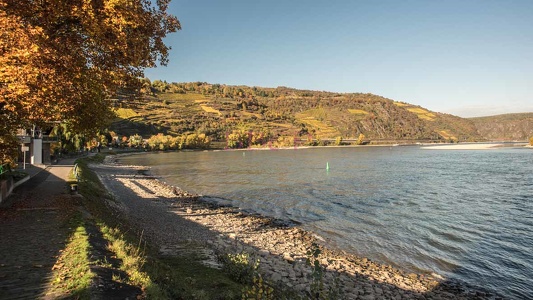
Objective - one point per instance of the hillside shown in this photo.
(507, 127)
(218, 110)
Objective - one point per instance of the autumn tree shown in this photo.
(67, 140)
(360, 139)
(63, 60)
(239, 139)
(135, 141)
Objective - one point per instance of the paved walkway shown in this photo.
(34, 231)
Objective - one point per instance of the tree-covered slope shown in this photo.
(218, 110)
(515, 127)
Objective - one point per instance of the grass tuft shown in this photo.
(133, 261)
(71, 273)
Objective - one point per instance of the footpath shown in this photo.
(34, 230)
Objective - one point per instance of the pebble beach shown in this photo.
(178, 221)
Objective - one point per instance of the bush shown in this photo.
(244, 270)
(239, 266)
(360, 139)
(135, 141)
(285, 141)
(239, 139)
(317, 286)
(187, 141)
(259, 290)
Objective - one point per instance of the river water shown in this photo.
(466, 215)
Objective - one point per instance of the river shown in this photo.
(466, 215)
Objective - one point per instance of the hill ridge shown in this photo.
(219, 110)
(505, 127)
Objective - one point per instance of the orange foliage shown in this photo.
(62, 60)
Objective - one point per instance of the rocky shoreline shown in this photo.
(175, 220)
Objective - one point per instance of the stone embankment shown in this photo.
(175, 220)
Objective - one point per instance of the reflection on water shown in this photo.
(462, 214)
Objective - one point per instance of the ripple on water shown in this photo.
(464, 214)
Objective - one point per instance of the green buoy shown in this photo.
(327, 166)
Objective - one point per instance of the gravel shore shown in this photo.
(471, 146)
(177, 221)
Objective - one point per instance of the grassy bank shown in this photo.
(71, 273)
(138, 263)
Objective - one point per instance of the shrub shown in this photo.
(239, 266)
(239, 139)
(317, 286)
(259, 290)
(244, 270)
(360, 139)
(135, 141)
(285, 141)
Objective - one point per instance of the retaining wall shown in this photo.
(6, 187)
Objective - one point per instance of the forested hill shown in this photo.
(516, 127)
(218, 110)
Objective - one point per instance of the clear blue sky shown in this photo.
(469, 58)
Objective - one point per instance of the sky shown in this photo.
(468, 58)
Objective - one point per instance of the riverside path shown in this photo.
(33, 231)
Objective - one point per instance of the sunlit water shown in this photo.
(466, 215)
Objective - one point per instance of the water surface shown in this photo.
(466, 215)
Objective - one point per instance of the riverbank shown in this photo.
(177, 221)
(472, 146)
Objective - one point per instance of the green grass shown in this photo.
(133, 261)
(90, 186)
(71, 273)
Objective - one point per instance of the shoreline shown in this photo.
(423, 146)
(280, 247)
(473, 146)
